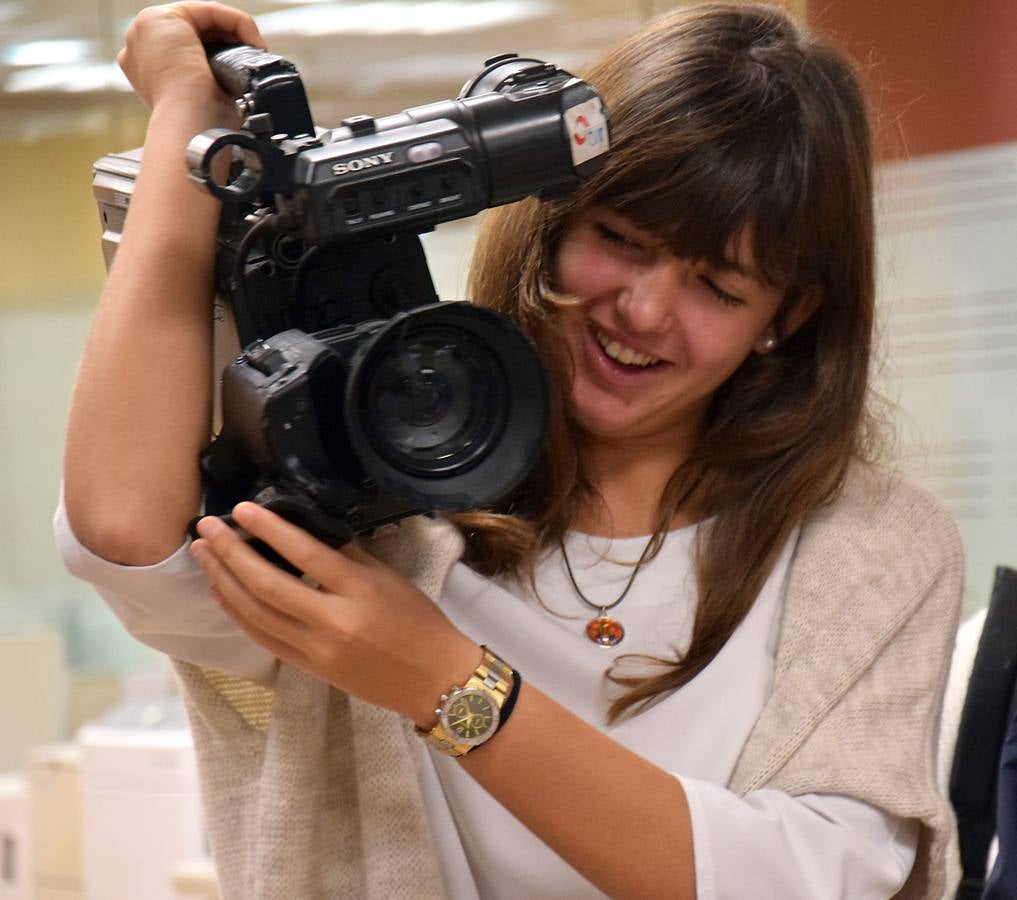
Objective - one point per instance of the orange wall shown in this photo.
(942, 74)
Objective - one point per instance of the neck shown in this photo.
(630, 477)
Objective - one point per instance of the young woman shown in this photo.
(718, 636)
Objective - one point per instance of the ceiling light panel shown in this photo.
(396, 17)
(72, 79)
(46, 53)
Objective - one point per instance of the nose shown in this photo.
(647, 301)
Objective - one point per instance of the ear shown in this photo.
(783, 326)
(810, 299)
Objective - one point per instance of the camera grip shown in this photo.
(262, 82)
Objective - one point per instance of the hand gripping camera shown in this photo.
(359, 399)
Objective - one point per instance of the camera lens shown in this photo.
(432, 402)
(446, 406)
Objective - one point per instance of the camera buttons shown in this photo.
(420, 153)
(263, 357)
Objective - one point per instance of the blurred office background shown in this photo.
(941, 81)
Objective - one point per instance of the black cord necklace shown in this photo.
(604, 630)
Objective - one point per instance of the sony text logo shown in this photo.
(364, 162)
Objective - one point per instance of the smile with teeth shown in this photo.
(622, 354)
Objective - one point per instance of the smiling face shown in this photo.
(655, 335)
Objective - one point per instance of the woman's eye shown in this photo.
(719, 292)
(605, 232)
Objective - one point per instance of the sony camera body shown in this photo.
(358, 398)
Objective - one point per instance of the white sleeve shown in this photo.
(812, 847)
(168, 607)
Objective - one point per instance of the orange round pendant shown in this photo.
(605, 631)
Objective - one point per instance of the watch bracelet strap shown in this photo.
(493, 673)
(510, 702)
(498, 673)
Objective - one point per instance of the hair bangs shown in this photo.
(724, 156)
(703, 202)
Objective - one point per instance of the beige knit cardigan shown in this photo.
(312, 794)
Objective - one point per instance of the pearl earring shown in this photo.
(770, 343)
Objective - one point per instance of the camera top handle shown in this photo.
(270, 94)
(262, 82)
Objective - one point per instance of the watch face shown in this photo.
(471, 717)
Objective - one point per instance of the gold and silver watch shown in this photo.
(470, 715)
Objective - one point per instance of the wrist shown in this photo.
(172, 210)
(458, 663)
(198, 101)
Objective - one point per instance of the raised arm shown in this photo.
(142, 402)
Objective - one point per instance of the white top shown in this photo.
(764, 844)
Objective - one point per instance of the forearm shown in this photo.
(141, 406)
(620, 821)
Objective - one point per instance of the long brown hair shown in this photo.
(725, 117)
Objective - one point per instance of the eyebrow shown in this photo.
(732, 265)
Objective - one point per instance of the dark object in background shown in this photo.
(1002, 883)
(989, 705)
(359, 399)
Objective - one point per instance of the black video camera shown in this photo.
(359, 399)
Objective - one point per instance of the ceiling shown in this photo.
(355, 56)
